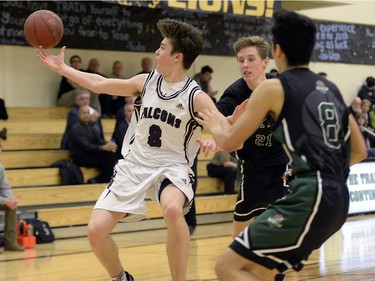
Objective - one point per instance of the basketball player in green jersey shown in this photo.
(322, 140)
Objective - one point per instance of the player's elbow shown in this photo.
(228, 146)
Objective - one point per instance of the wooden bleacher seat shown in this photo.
(74, 216)
(51, 176)
(32, 159)
(36, 141)
(53, 195)
(44, 158)
(42, 176)
(46, 126)
(52, 112)
(83, 193)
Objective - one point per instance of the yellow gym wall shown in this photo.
(24, 81)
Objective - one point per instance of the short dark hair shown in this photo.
(295, 33)
(185, 39)
(206, 68)
(324, 74)
(370, 81)
(75, 57)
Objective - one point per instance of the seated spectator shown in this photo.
(120, 117)
(368, 134)
(3, 116)
(83, 98)
(146, 64)
(3, 110)
(110, 104)
(274, 71)
(204, 81)
(89, 149)
(101, 99)
(365, 108)
(367, 91)
(68, 89)
(224, 166)
(122, 127)
(355, 106)
(9, 204)
(372, 116)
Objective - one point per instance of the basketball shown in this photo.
(43, 27)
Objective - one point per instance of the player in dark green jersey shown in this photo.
(322, 140)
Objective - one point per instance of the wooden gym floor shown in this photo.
(349, 255)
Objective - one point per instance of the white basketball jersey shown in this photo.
(163, 130)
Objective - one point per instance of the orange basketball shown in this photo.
(43, 28)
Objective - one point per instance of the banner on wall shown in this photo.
(255, 8)
(361, 183)
(131, 26)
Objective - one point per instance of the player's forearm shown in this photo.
(84, 79)
(358, 150)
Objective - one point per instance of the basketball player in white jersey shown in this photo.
(161, 148)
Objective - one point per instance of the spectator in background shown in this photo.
(367, 91)
(372, 116)
(3, 110)
(93, 67)
(68, 89)
(122, 127)
(9, 204)
(120, 116)
(89, 149)
(367, 133)
(274, 71)
(224, 166)
(113, 103)
(204, 81)
(365, 108)
(83, 98)
(146, 64)
(3, 116)
(355, 106)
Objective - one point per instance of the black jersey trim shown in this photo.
(149, 76)
(163, 96)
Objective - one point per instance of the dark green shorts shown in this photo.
(286, 233)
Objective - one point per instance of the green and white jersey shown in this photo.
(318, 138)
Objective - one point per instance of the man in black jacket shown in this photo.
(89, 149)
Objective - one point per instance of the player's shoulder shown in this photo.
(202, 101)
(270, 90)
(271, 84)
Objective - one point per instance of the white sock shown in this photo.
(120, 277)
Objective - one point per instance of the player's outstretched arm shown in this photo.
(94, 82)
(266, 99)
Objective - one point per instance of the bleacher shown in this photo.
(34, 136)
